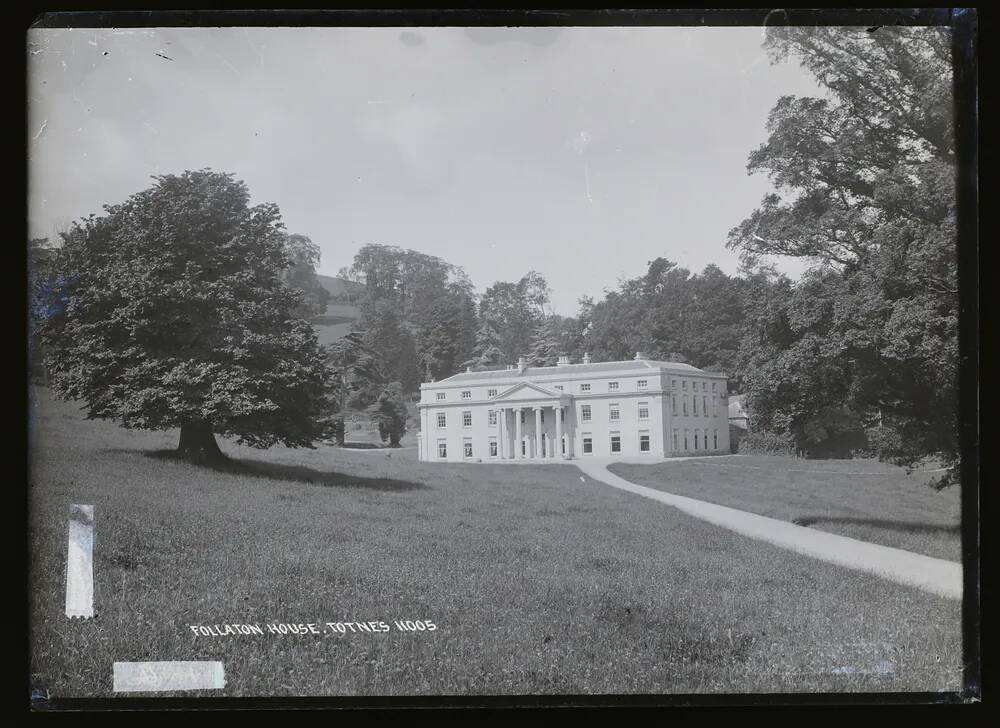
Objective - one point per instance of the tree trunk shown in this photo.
(198, 444)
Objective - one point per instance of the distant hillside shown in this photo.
(340, 313)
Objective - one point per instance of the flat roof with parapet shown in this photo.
(574, 369)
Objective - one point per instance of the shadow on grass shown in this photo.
(291, 473)
(906, 526)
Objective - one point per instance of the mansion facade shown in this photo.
(639, 407)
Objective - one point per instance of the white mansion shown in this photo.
(637, 407)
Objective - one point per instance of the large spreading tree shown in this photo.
(864, 189)
(173, 313)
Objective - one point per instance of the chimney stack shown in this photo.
(563, 361)
(521, 365)
(586, 358)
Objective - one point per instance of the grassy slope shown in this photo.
(885, 505)
(538, 582)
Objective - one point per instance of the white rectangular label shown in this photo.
(134, 677)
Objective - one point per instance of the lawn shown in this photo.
(538, 580)
(863, 499)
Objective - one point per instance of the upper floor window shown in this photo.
(694, 404)
(643, 410)
(673, 405)
(684, 384)
(442, 419)
(673, 384)
(614, 413)
(612, 386)
(685, 405)
(466, 394)
(584, 387)
(704, 386)
(492, 417)
(585, 413)
(466, 419)
(441, 395)
(715, 386)
(641, 384)
(704, 405)
(491, 393)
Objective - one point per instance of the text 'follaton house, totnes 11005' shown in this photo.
(590, 409)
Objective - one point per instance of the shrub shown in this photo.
(767, 443)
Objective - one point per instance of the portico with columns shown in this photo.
(532, 423)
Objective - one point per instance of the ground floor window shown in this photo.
(493, 448)
(562, 444)
(685, 439)
(643, 443)
(442, 449)
(616, 443)
(715, 440)
(696, 439)
(523, 446)
(467, 448)
(588, 446)
(675, 440)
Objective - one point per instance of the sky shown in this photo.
(579, 152)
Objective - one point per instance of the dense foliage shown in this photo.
(865, 182)
(172, 312)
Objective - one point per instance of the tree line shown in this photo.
(187, 307)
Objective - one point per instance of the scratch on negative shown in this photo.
(40, 130)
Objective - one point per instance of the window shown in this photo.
(612, 386)
(467, 448)
(466, 419)
(675, 440)
(559, 387)
(641, 384)
(491, 393)
(643, 442)
(542, 418)
(614, 414)
(467, 394)
(673, 384)
(562, 444)
(715, 386)
(523, 445)
(588, 445)
(441, 395)
(685, 403)
(522, 417)
(442, 449)
(715, 406)
(643, 410)
(673, 404)
(616, 442)
(562, 415)
(493, 448)
(442, 419)
(492, 418)
(704, 405)
(684, 384)
(584, 387)
(585, 413)
(704, 386)
(696, 439)
(685, 439)
(694, 405)
(715, 439)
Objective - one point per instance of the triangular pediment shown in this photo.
(527, 391)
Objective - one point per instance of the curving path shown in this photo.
(925, 572)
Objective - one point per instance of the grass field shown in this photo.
(863, 499)
(538, 580)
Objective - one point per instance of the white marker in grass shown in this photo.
(155, 677)
(80, 562)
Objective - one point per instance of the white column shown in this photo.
(559, 432)
(517, 433)
(538, 432)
